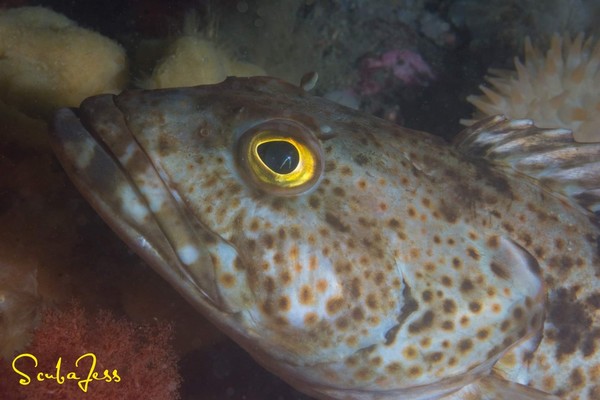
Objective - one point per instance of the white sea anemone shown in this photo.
(561, 90)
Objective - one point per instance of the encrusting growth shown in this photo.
(131, 362)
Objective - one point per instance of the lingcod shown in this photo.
(354, 258)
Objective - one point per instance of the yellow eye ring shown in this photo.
(280, 157)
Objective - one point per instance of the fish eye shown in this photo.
(280, 157)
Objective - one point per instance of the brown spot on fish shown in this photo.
(352, 341)
(450, 213)
(414, 253)
(334, 305)
(589, 346)
(238, 264)
(415, 371)
(563, 262)
(338, 191)
(358, 314)
(166, 145)
(526, 239)
(473, 253)
(430, 268)
(306, 296)
(278, 204)
(483, 333)
(376, 361)
(456, 263)
(577, 378)
(446, 281)
(518, 313)
(499, 270)
(335, 222)
(427, 296)
(465, 345)
(267, 241)
(379, 278)
(322, 285)
(394, 223)
(411, 211)
(594, 300)
(466, 285)
(281, 233)
(346, 170)
(278, 258)
(227, 280)
(355, 288)
(284, 303)
(570, 318)
(361, 159)
(493, 242)
(594, 392)
(314, 202)
(434, 357)
(464, 321)
(342, 323)
(310, 318)
(509, 228)
(425, 322)
(269, 284)
(393, 368)
(448, 326)
(475, 307)
(285, 278)
(266, 308)
(372, 301)
(449, 306)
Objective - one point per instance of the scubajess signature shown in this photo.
(83, 373)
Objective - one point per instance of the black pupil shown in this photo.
(280, 156)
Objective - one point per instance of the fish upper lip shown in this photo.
(99, 127)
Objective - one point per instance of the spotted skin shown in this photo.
(409, 270)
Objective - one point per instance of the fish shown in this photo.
(354, 258)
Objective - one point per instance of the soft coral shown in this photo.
(142, 356)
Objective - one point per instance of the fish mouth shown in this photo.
(113, 172)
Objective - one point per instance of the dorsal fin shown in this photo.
(550, 156)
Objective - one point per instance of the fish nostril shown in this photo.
(204, 130)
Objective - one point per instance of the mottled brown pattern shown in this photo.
(405, 265)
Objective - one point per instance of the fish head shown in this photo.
(309, 233)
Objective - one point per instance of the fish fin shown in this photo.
(493, 387)
(549, 156)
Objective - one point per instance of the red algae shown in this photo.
(74, 355)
